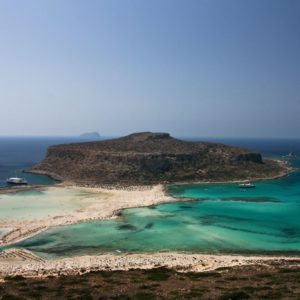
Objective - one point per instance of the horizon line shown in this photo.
(176, 136)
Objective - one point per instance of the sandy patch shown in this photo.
(19, 262)
(105, 204)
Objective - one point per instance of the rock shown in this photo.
(150, 158)
(90, 135)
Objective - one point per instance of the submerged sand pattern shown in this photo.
(96, 204)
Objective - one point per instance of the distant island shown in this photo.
(151, 158)
(93, 134)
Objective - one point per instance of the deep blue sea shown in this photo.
(20, 153)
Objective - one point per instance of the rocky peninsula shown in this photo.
(131, 172)
(151, 158)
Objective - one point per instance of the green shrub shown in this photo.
(235, 295)
(158, 274)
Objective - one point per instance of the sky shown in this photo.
(219, 68)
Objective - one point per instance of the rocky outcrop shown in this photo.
(147, 158)
(254, 157)
(86, 135)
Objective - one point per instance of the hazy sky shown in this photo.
(226, 68)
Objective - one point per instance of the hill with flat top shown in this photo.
(149, 158)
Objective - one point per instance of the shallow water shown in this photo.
(221, 219)
(39, 204)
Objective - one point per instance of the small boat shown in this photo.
(16, 180)
(246, 185)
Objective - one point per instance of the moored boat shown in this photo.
(16, 180)
(247, 185)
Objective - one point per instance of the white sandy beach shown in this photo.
(21, 262)
(109, 202)
(106, 204)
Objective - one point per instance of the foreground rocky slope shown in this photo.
(275, 280)
(148, 158)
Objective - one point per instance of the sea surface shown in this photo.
(17, 154)
(221, 218)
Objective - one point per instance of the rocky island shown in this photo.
(141, 163)
(89, 135)
(151, 158)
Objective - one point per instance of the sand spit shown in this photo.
(21, 188)
(20, 262)
(110, 200)
(108, 203)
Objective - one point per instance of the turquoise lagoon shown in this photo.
(221, 218)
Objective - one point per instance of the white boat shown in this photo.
(246, 185)
(16, 180)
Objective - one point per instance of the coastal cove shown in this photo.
(221, 219)
(150, 150)
(202, 219)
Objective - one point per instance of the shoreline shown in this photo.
(117, 196)
(286, 170)
(111, 200)
(22, 262)
(109, 203)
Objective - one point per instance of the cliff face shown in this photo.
(146, 158)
